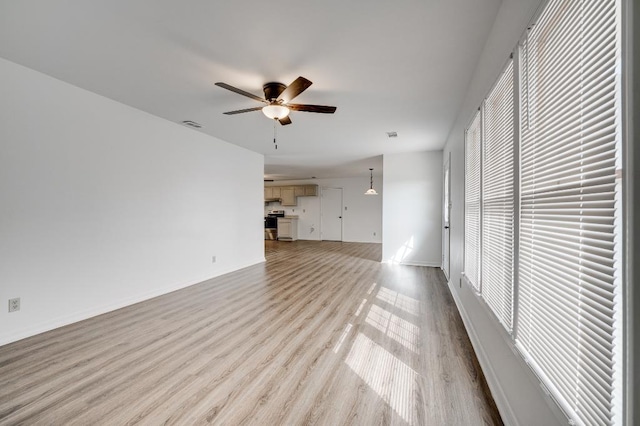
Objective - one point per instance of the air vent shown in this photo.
(392, 134)
(192, 124)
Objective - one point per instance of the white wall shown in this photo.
(517, 393)
(103, 205)
(361, 221)
(412, 218)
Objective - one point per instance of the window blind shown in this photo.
(472, 202)
(568, 282)
(498, 198)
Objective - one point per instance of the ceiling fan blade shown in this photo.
(240, 111)
(241, 92)
(284, 121)
(323, 109)
(299, 85)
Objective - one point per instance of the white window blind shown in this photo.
(498, 198)
(472, 202)
(568, 279)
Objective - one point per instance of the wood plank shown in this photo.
(322, 333)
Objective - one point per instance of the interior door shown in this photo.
(446, 213)
(331, 214)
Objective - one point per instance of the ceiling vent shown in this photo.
(392, 134)
(192, 124)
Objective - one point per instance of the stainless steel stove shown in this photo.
(271, 224)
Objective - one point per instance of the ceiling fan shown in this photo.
(277, 97)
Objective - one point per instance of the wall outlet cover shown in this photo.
(14, 304)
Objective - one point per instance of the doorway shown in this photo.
(331, 214)
(446, 213)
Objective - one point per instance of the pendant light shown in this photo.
(371, 191)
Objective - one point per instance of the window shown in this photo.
(472, 203)
(569, 149)
(498, 198)
(561, 301)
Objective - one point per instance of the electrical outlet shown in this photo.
(213, 259)
(14, 304)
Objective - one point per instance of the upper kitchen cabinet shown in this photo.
(272, 192)
(310, 190)
(288, 196)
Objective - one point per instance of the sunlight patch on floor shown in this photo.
(399, 329)
(364, 302)
(371, 288)
(393, 380)
(344, 335)
(406, 303)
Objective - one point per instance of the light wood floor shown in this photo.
(320, 334)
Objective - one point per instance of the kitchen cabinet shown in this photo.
(311, 190)
(287, 228)
(272, 192)
(288, 196)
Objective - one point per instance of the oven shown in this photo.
(271, 224)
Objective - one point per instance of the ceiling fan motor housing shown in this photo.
(273, 90)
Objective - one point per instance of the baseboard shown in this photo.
(344, 241)
(413, 263)
(108, 307)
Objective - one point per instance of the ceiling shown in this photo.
(400, 66)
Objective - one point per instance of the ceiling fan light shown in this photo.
(276, 112)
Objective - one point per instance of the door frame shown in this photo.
(446, 217)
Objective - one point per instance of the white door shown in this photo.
(446, 213)
(331, 212)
